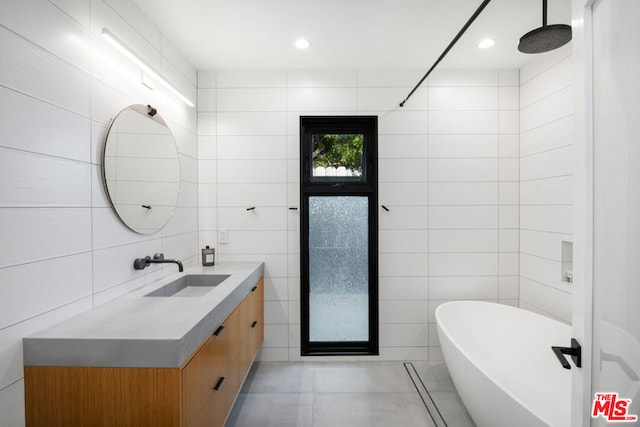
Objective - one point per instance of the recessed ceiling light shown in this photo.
(486, 43)
(302, 44)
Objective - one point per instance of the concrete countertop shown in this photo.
(139, 331)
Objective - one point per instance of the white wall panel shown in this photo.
(402, 146)
(251, 147)
(463, 98)
(55, 212)
(321, 79)
(463, 122)
(463, 217)
(254, 99)
(402, 288)
(389, 78)
(45, 25)
(471, 170)
(458, 146)
(388, 99)
(546, 182)
(21, 65)
(251, 78)
(62, 133)
(463, 288)
(322, 99)
(463, 193)
(33, 180)
(254, 123)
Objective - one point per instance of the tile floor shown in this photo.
(349, 394)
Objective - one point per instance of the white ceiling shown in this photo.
(348, 34)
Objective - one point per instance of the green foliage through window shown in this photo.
(335, 150)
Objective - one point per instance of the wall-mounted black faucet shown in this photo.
(142, 263)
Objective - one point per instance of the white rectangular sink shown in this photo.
(190, 285)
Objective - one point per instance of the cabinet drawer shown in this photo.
(253, 323)
(211, 379)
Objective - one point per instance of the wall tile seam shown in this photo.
(180, 234)
(467, 85)
(187, 154)
(546, 178)
(252, 135)
(487, 252)
(534, 255)
(251, 159)
(484, 276)
(49, 103)
(533, 230)
(467, 110)
(546, 204)
(471, 133)
(419, 157)
(567, 57)
(540, 310)
(40, 260)
(58, 307)
(550, 150)
(542, 125)
(537, 101)
(559, 286)
(51, 53)
(16, 383)
(398, 276)
(496, 228)
(556, 86)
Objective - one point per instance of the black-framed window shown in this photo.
(339, 235)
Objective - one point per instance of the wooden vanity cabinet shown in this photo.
(200, 393)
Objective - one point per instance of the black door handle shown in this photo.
(575, 351)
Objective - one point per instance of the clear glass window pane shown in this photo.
(338, 268)
(337, 156)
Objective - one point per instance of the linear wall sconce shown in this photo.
(121, 47)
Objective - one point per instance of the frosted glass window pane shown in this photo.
(338, 268)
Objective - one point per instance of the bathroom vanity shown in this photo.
(174, 353)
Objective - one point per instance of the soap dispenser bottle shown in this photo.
(208, 256)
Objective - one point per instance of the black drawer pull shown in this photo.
(219, 330)
(219, 384)
(255, 322)
(254, 288)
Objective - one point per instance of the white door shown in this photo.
(608, 304)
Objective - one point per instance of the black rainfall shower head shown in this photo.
(545, 38)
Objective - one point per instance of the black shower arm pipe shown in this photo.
(453, 42)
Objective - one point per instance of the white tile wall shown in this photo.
(64, 251)
(448, 172)
(546, 182)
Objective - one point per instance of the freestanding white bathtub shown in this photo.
(502, 366)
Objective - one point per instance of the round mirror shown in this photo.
(141, 169)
